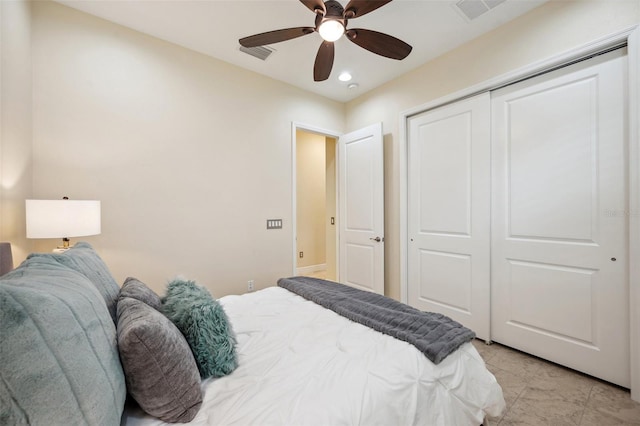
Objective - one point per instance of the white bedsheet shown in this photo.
(301, 364)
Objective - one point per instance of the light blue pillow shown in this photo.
(204, 324)
(84, 259)
(58, 351)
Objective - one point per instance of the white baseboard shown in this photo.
(311, 269)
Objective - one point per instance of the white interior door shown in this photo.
(361, 177)
(449, 212)
(559, 217)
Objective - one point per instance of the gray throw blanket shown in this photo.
(435, 335)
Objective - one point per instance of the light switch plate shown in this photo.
(274, 223)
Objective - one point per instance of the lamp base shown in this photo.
(64, 247)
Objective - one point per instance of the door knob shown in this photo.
(376, 239)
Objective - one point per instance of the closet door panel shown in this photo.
(449, 203)
(550, 157)
(559, 257)
(444, 174)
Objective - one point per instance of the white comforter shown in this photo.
(301, 364)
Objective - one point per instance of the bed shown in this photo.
(67, 359)
(303, 364)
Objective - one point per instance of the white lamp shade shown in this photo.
(62, 218)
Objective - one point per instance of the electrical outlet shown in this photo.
(250, 285)
(301, 254)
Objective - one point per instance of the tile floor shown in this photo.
(538, 392)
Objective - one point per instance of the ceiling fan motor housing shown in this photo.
(333, 9)
(333, 12)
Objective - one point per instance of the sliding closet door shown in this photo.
(449, 207)
(559, 217)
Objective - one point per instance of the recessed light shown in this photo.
(353, 86)
(345, 76)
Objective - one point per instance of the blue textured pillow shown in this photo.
(84, 259)
(59, 357)
(204, 324)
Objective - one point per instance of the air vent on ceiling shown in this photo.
(260, 52)
(471, 9)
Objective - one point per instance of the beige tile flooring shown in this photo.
(538, 392)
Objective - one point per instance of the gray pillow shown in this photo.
(59, 360)
(83, 258)
(136, 289)
(160, 371)
(204, 324)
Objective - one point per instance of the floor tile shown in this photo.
(512, 385)
(543, 407)
(613, 403)
(593, 417)
(562, 384)
(515, 362)
(538, 393)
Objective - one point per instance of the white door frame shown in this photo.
(630, 37)
(295, 126)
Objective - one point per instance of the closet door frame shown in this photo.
(630, 37)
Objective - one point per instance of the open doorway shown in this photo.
(316, 206)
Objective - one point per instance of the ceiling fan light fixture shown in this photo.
(345, 76)
(331, 30)
(331, 22)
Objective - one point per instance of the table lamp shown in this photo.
(62, 219)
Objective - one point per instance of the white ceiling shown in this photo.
(213, 27)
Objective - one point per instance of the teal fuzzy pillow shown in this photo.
(204, 324)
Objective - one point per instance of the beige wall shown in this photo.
(551, 29)
(189, 155)
(310, 196)
(15, 123)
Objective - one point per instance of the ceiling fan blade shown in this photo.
(379, 43)
(357, 8)
(276, 36)
(314, 5)
(324, 61)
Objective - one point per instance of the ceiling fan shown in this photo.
(331, 24)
